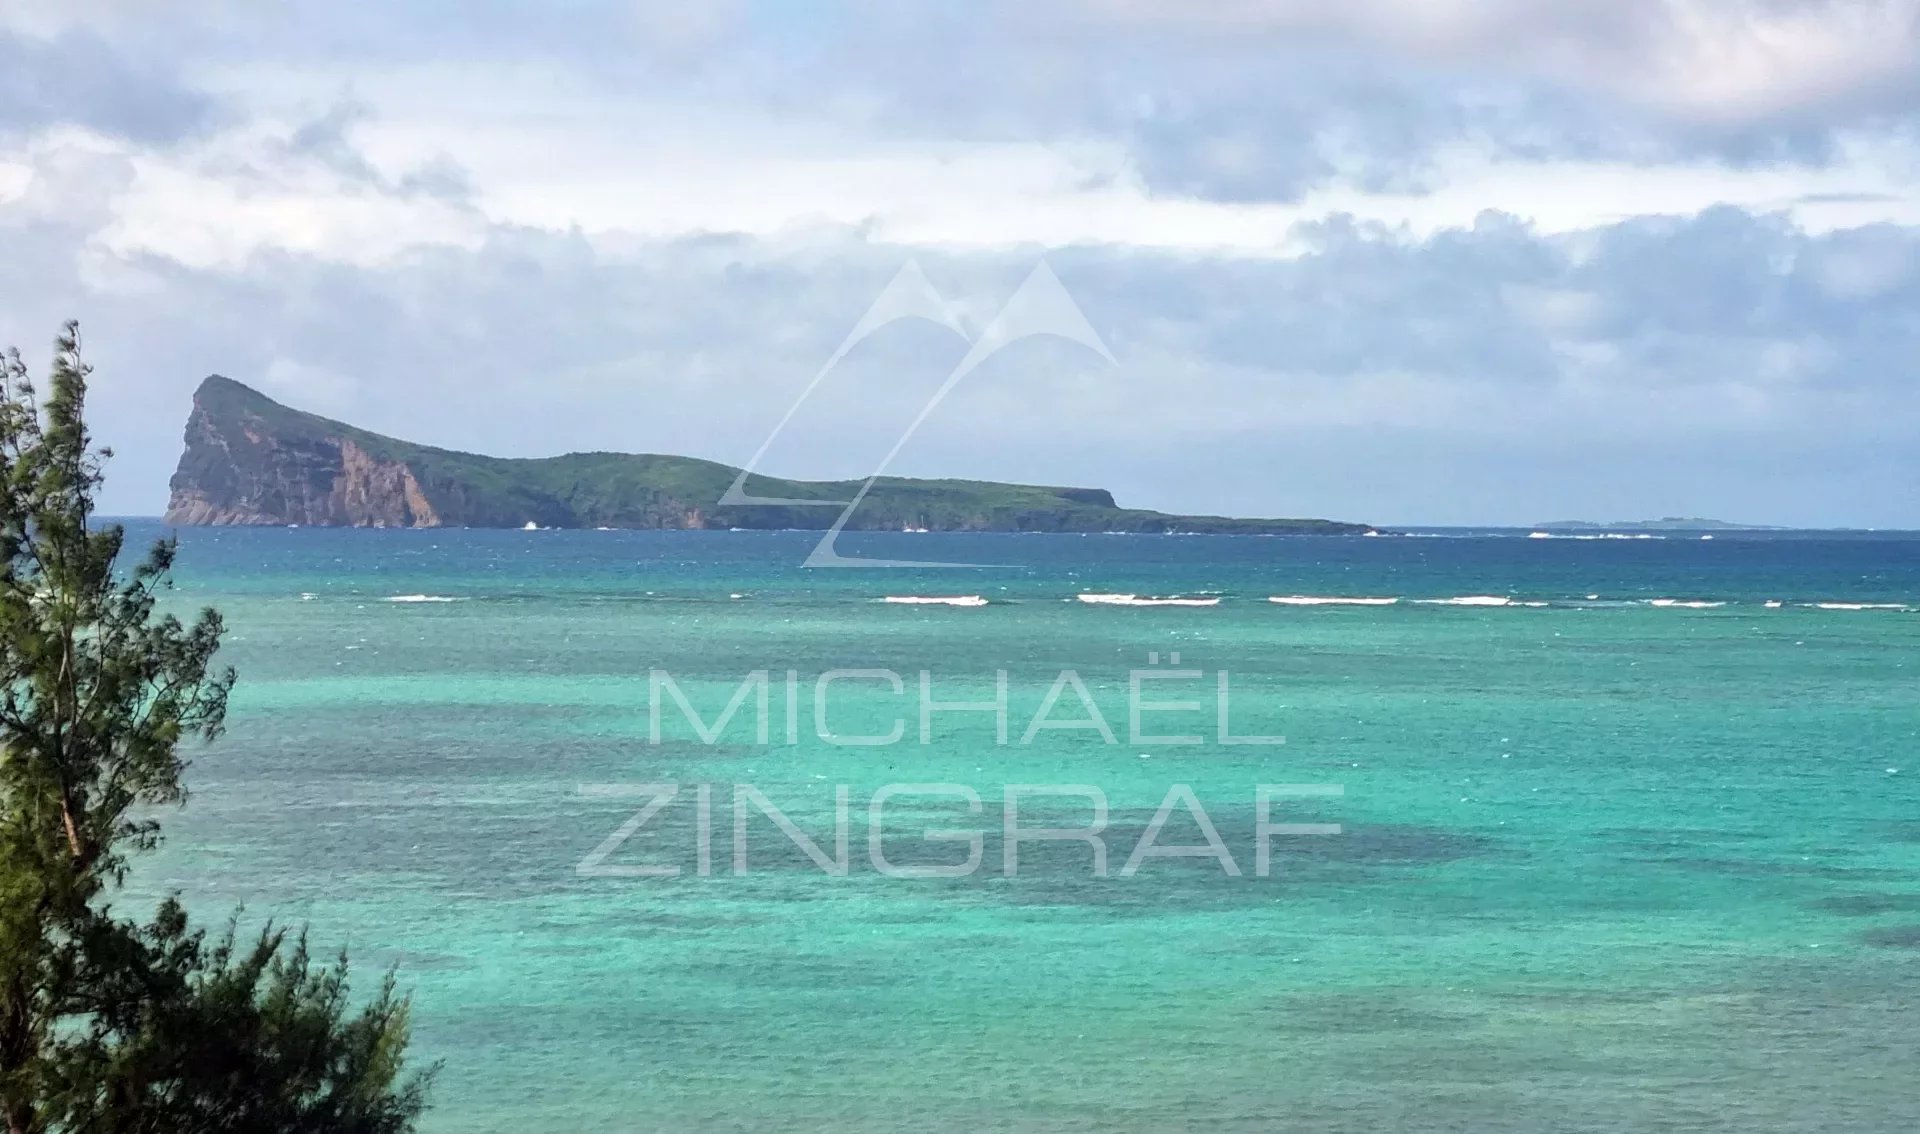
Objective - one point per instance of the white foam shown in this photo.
(424, 598)
(1773, 604)
(1690, 604)
(1540, 535)
(937, 600)
(1468, 600)
(1329, 600)
(1145, 600)
(1857, 606)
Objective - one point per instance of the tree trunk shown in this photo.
(73, 832)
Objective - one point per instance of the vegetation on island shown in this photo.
(249, 459)
(110, 1025)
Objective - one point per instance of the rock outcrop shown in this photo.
(251, 460)
(244, 465)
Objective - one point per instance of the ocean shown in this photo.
(1600, 834)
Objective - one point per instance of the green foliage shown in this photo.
(646, 490)
(107, 1025)
(223, 1036)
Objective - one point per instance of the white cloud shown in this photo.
(1712, 60)
(1490, 239)
(189, 204)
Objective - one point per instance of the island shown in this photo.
(252, 460)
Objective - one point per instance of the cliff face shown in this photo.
(251, 460)
(241, 466)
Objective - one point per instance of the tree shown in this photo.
(108, 1025)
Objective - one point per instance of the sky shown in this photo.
(1395, 261)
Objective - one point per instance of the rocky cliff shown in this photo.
(251, 460)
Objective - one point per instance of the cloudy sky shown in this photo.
(1445, 261)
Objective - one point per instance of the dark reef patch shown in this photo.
(1767, 868)
(1358, 1013)
(1867, 905)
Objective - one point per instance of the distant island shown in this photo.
(251, 460)
(1664, 524)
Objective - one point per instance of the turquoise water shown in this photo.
(1603, 864)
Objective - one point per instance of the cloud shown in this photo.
(1637, 350)
(1266, 99)
(1717, 61)
(327, 141)
(1377, 259)
(77, 79)
(1240, 101)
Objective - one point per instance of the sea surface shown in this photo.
(1634, 850)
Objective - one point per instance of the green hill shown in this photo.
(251, 460)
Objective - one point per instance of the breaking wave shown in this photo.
(1146, 600)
